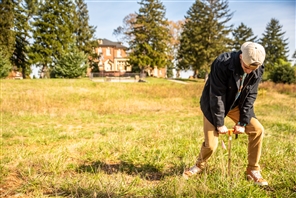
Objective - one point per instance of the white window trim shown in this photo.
(118, 53)
(108, 51)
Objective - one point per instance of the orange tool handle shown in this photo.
(230, 132)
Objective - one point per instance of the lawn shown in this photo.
(78, 138)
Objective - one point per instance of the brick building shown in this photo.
(113, 56)
(114, 59)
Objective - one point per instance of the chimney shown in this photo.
(100, 41)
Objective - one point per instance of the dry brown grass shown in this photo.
(46, 99)
(279, 87)
(76, 138)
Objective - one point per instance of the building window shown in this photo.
(108, 51)
(118, 53)
(99, 50)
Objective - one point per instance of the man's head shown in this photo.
(253, 55)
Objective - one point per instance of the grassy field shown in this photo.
(78, 138)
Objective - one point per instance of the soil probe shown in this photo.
(230, 132)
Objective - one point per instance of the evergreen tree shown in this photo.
(24, 10)
(7, 36)
(83, 31)
(276, 46)
(294, 58)
(242, 34)
(53, 32)
(71, 65)
(204, 35)
(5, 65)
(150, 33)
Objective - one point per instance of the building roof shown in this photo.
(107, 43)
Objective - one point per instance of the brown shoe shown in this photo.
(254, 175)
(192, 171)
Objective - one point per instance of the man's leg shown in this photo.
(255, 131)
(207, 149)
(209, 145)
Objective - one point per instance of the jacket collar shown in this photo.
(237, 64)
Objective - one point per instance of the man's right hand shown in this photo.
(222, 129)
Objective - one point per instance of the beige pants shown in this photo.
(254, 130)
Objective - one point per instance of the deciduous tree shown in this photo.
(175, 30)
(123, 33)
(283, 72)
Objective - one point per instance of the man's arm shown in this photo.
(218, 88)
(247, 108)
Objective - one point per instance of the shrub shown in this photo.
(283, 73)
(202, 73)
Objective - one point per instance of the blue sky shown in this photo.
(107, 15)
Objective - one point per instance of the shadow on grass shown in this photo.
(145, 171)
(79, 192)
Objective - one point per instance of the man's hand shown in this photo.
(239, 129)
(222, 129)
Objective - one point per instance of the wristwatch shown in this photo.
(241, 124)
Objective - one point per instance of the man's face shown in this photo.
(247, 68)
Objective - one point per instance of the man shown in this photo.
(231, 90)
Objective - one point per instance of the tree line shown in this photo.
(45, 33)
(52, 33)
(193, 43)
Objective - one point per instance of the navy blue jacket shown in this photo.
(223, 83)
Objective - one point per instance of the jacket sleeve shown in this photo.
(247, 107)
(218, 88)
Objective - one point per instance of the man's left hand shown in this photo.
(239, 129)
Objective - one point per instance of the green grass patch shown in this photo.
(78, 138)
